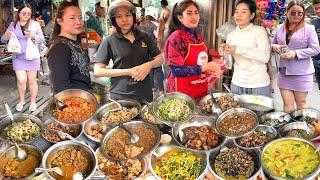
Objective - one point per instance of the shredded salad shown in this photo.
(174, 110)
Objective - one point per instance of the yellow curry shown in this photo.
(291, 159)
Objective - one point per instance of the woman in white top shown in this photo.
(250, 47)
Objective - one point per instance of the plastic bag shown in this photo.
(14, 44)
(225, 29)
(32, 52)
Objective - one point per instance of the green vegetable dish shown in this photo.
(174, 110)
(178, 164)
(291, 159)
(22, 131)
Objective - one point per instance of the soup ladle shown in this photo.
(133, 136)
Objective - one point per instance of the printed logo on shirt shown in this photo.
(144, 45)
(202, 58)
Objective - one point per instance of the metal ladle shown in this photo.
(216, 109)
(59, 104)
(57, 170)
(20, 153)
(133, 136)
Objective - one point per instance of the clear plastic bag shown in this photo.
(32, 52)
(14, 44)
(225, 29)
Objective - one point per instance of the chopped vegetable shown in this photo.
(22, 131)
(174, 110)
(178, 164)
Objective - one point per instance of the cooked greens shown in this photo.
(178, 164)
(174, 110)
(22, 131)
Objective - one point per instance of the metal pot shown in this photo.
(11, 153)
(283, 130)
(50, 154)
(161, 150)
(173, 95)
(261, 128)
(312, 113)
(281, 117)
(231, 112)
(268, 173)
(20, 118)
(77, 128)
(256, 102)
(129, 125)
(179, 136)
(230, 144)
(72, 93)
(208, 97)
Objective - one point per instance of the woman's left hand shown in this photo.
(289, 55)
(31, 36)
(141, 71)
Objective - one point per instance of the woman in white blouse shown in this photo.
(250, 47)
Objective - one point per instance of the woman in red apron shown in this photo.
(190, 71)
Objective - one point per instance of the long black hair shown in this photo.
(60, 12)
(18, 18)
(252, 7)
(177, 10)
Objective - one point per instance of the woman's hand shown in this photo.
(289, 55)
(277, 48)
(31, 36)
(7, 35)
(213, 68)
(140, 72)
(227, 48)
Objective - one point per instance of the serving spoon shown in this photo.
(59, 104)
(57, 170)
(133, 136)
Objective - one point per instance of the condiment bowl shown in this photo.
(162, 150)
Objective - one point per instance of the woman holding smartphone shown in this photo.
(26, 70)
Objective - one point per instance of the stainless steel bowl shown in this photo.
(112, 106)
(11, 153)
(50, 154)
(161, 150)
(312, 113)
(256, 102)
(77, 128)
(231, 112)
(261, 128)
(143, 162)
(283, 130)
(147, 109)
(268, 173)
(87, 127)
(208, 97)
(129, 125)
(180, 138)
(20, 118)
(72, 93)
(230, 144)
(281, 117)
(173, 95)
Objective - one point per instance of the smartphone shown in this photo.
(285, 50)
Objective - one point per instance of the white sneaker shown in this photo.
(32, 107)
(19, 107)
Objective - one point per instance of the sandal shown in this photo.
(19, 107)
(33, 107)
